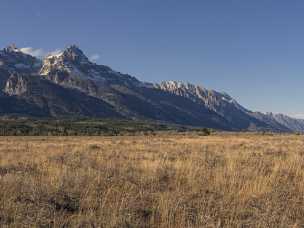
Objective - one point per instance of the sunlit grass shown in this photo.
(228, 180)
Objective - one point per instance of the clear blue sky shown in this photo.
(253, 50)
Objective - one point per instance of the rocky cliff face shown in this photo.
(68, 84)
(16, 85)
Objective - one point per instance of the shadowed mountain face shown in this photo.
(54, 100)
(68, 84)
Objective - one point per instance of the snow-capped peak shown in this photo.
(70, 54)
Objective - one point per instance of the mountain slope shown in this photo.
(222, 104)
(291, 123)
(270, 121)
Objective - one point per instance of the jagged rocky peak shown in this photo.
(71, 60)
(173, 85)
(75, 55)
(71, 54)
(67, 60)
(181, 88)
(196, 90)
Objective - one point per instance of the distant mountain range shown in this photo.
(68, 84)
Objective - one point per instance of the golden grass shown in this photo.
(229, 180)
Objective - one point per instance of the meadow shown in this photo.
(162, 180)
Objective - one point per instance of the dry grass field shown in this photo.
(229, 180)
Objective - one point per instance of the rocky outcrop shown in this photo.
(16, 85)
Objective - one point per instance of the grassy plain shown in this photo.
(166, 180)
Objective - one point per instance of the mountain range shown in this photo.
(68, 84)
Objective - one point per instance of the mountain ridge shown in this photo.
(55, 83)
